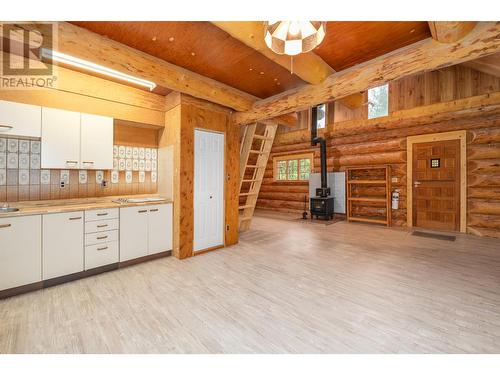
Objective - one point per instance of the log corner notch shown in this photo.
(482, 40)
(450, 31)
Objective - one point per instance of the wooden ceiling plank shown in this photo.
(428, 54)
(308, 66)
(84, 44)
(450, 31)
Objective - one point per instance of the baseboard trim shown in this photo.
(78, 275)
(146, 258)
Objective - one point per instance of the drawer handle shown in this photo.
(102, 226)
(102, 238)
(142, 211)
(5, 225)
(102, 248)
(102, 214)
(75, 218)
(153, 210)
(88, 162)
(71, 162)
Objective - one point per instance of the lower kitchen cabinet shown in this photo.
(159, 228)
(101, 254)
(133, 232)
(145, 230)
(62, 245)
(20, 251)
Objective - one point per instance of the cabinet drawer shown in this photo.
(101, 254)
(104, 214)
(101, 225)
(101, 237)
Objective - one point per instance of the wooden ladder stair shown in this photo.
(250, 187)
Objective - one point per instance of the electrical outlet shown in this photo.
(63, 184)
(394, 180)
(227, 227)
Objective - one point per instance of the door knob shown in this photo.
(416, 183)
(210, 197)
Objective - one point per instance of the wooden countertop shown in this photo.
(79, 204)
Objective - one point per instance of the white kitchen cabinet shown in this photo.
(62, 245)
(145, 230)
(60, 139)
(20, 251)
(101, 254)
(20, 119)
(133, 232)
(159, 228)
(96, 142)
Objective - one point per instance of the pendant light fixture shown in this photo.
(294, 37)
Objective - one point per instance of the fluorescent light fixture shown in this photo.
(87, 65)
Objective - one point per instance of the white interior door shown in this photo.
(208, 189)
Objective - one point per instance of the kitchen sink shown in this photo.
(8, 209)
(139, 200)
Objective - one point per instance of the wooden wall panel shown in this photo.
(181, 121)
(380, 147)
(81, 92)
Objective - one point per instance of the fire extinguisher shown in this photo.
(395, 199)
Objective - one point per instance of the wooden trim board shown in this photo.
(460, 135)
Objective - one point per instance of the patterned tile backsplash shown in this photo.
(21, 177)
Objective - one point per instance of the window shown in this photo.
(378, 101)
(321, 120)
(292, 167)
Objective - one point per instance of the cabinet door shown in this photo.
(60, 139)
(133, 232)
(159, 228)
(20, 251)
(20, 119)
(96, 142)
(62, 245)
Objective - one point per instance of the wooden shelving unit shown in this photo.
(376, 177)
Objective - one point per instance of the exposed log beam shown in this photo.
(79, 42)
(416, 58)
(489, 65)
(481, 105)
(450, 31)
(308, 66)
(82, 43)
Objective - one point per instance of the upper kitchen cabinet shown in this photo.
(74, 140)
(20, 119)
(60, 139)
(96, 142)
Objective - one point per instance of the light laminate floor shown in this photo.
(288, 287)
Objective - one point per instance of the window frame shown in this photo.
(287, 158)
(368, 101)
(325, 118)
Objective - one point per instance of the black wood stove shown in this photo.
(322, 204)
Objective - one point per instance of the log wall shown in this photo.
(377, 147)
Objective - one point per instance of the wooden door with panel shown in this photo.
(436, 185)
